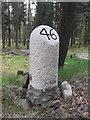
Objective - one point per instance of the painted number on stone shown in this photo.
(44, 32)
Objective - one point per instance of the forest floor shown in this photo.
(77, 108)
(15, 107)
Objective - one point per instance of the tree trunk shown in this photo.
(28, 44)
(3, 31)
(85, 36)
(19, 34)
(6, 37)
(9, 30)
(88, 31)
(3, 37)
(13, 35)
(80, 36)
(68, 10)
(17, 39)
(9, 36)
(72, 38)
(24, 35)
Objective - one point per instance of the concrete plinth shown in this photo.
(39, 97)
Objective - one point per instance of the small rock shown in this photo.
(66, 90)
(24, 104)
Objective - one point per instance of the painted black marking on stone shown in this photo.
(45, 32)
(53, 36)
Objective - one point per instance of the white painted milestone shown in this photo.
(44, 52)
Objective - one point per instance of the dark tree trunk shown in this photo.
(24, 34)
(29, 25)
(88, 40)
(28, 44)
(3, 37)
(79, 41)
(6, 38)
(9, 36)
(67, 17)
(13, 35)
(16, 39)
(85, 36)
(72, 38)
(19, 34)
(9, 30)
(3, 31)
(72, 42)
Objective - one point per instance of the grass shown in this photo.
(74, 67)
(12, 79)
(10, 66)
(12, 63)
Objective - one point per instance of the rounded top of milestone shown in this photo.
(45, 33)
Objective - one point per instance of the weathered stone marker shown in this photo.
(44, 52)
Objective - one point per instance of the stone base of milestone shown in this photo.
(42, 98)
